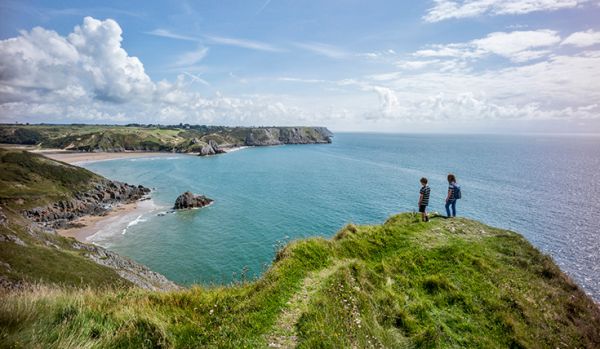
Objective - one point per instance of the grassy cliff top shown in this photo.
(176, 138)
(28, 180)
(450, 283)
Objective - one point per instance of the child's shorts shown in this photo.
(422, 208)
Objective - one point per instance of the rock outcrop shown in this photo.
(97, 201)
(212, 148)
(189, 200)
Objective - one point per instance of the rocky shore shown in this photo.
(98, 201)
(136, 273)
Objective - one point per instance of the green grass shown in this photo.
(28, 180)
(446, 284)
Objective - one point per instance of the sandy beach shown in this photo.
(116, 221)
(80, 157)
(75, 158)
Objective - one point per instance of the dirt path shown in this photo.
(283, 334)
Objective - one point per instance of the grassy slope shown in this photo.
(448, 284)
(28, 180)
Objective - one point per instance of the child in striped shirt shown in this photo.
(424, 199)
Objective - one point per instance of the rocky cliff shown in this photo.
(38, 195)
(96, 201)
(287, 135)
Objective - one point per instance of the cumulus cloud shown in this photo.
(446, 9)
(88, 76)
(583, 39)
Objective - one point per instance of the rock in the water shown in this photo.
(189, 200)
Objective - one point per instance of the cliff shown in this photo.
(38, 195)
(205, 140)
(449, 283)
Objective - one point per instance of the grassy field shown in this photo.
(450, 283)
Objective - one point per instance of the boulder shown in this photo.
(189, 200)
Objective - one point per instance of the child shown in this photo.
(453, 195)
(424, 199)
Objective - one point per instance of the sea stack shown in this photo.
(189, 200)
(212, 148)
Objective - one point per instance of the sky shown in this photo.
(435, 66)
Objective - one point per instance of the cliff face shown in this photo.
(287, 135)
(96, 201)
(38, 195)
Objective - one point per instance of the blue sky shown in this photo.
(387, 66)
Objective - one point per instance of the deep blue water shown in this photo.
(545, 187)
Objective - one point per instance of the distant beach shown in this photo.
(76, 158)
(85, 157)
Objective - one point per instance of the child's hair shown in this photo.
(451, 178)
(424, 180)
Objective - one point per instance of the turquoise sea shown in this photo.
(545, 187)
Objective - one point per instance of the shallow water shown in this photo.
(545, 187)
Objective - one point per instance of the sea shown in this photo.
(546, 187)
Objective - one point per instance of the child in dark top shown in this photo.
(424, 199)
(453, 189)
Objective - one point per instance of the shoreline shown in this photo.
(117, 220)
(75, 158)
(78, 158)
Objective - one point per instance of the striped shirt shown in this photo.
(425, 192)
(452, 188)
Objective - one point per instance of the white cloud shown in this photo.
(562, 87)
(446, 9)
(88, 76)
(518, 46)
(192, 57)
(218, 40)
(324, 49)
(165, 33)
(583, 39)
(243, 43)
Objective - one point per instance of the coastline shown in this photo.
(121, 216)
(116, 221)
